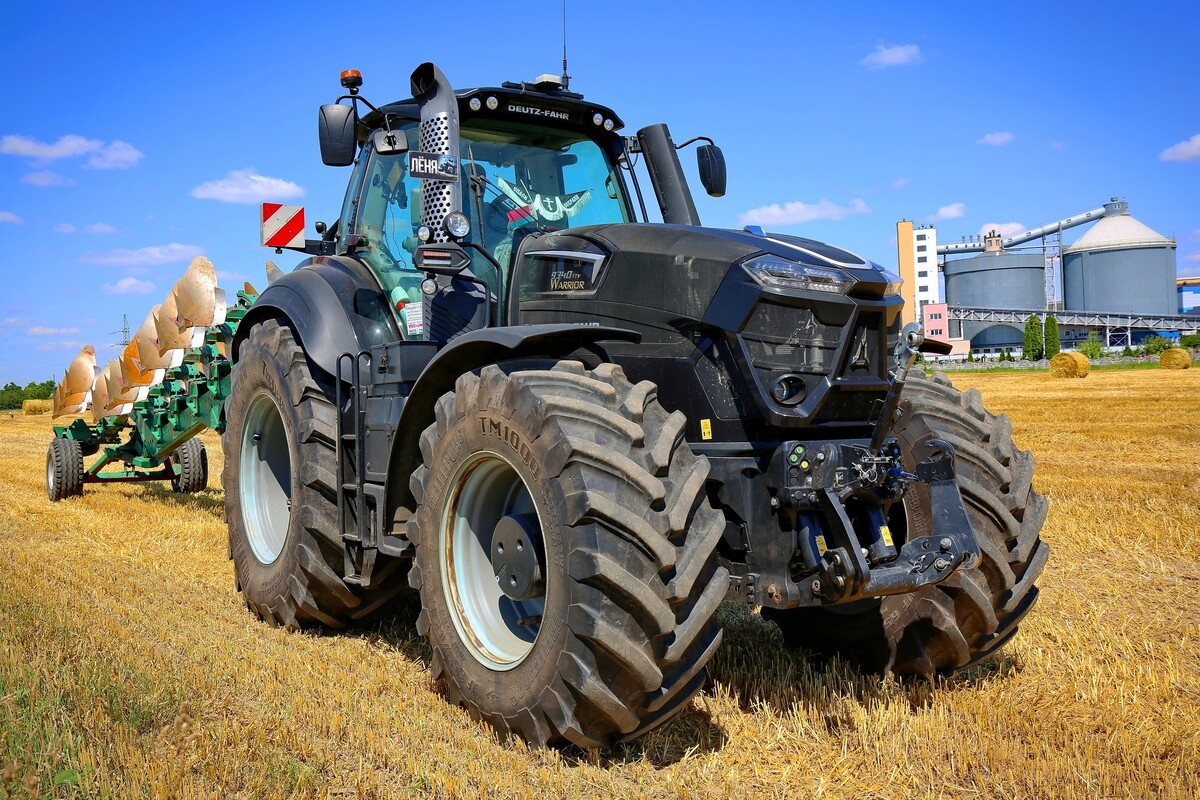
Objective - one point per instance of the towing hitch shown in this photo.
(844, 573)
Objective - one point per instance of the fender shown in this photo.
(472, 351)
(333, 304)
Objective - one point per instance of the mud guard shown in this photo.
(472, 351)
(332, 306)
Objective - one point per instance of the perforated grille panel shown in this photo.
(437, 198)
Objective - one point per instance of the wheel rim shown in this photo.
(265, 477)
(50, 470)
(498, 631)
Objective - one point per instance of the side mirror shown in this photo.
(389, 142)
(711, 163)
(337, 129)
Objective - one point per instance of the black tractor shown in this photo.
(577, 432)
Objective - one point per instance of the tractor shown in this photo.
(576, 431)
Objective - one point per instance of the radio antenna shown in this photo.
(566, 79)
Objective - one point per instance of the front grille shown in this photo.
(790, 339)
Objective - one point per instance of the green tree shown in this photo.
(1191, 340)
(11, 396)
(971, 356)
(1152, 345)
(1128, 351)
(1092, 348)
(1032, 350)
(1050, 345)
(39, 391)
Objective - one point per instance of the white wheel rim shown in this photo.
(265, 478)
(486, 488)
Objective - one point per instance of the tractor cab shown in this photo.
(527, 158)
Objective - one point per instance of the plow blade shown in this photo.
(118, 398)
(196, 301)
(146, 343)
(170, 336)
(74, 393)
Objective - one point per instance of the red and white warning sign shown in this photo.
(282, 226)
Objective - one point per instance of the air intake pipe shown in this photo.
(666, 175)
(439, 138)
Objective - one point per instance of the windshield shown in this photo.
(515, 179)
(520, 178)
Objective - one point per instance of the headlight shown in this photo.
(774, 272)
(894, 283)
(457, 225)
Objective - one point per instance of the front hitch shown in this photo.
(839, 493)
(844, 575)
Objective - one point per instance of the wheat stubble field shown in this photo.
(129, 667)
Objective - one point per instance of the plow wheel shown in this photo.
(281, 493)
(64, 469)
(565, 554)
(967, 617)
(192, 459)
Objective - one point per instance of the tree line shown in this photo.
(12, 395)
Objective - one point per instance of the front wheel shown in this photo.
(565, 554)
(967, 617)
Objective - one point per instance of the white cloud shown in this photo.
(10, 217)
(66, 147)
(40, 331)
(46, 178)
(246, 186)
(60, 346)
(100, 227)
(996, 138)
(114, 155)
(1184, 151)
(900, 183)
(896, 55)
(952, 211)
(63, 227)
(1192, 257)
(14, 322)
(117, 155)
(1003, 228)
(161, 254)
(129, 286)
(796, 212)
(1057, 145)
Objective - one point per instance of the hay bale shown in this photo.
(1070, 364)
(1175, 358)
(32, 408)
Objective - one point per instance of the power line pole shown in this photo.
(124, 332)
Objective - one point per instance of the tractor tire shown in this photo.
(281, 493)
(64, 470)
(192, 459)
(949, 626)
(615, 638)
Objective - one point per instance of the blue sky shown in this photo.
(129, 137)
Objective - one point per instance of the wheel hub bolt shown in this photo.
(945, 543)
(941, 564)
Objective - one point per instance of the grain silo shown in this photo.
(1120, 266)
(998, 279)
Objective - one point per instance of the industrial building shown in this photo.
(1118, 279)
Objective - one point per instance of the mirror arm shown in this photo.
(695, 139)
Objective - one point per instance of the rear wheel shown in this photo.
(64, 469)
(565, 554)
(949, 626)
(192, 459)
(281, 492)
